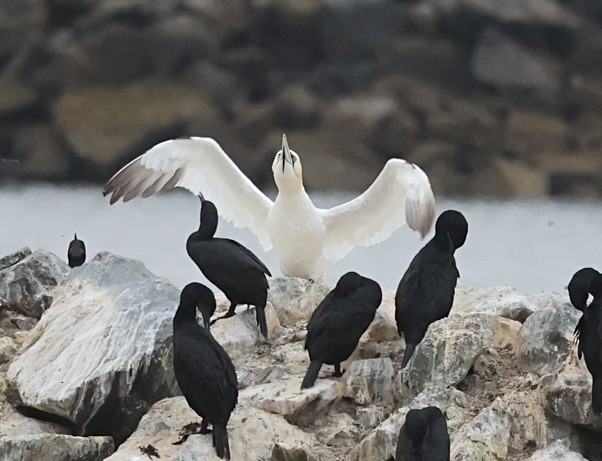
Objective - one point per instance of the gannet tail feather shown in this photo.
(401, 194)
(199, 165)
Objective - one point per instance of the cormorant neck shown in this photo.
(208, 225)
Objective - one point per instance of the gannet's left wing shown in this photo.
(400, 194)
(201, 166)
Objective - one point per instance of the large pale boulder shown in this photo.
(14, 257)
(546, 339)
(102, 355)
(449, 350)
(568, 396)
(28, 284)
(253, 433)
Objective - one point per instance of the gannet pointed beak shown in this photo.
(286, 153)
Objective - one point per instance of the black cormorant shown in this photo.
(76, 253)
(423, 436)
(202, 367)
(426, 291)
(588, 332)
(230, 266)
(338, 322)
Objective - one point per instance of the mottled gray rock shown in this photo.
(262, 375)
(7, 349)
(19, 22)
(252, 434)
(556, 451)
(28, 286)
(14, 258)
(486, 437)
(500, 61)
(384, 327)
(54, 447)
(370, 381)
(504, 301)
(295, 299)
(568, 396)
(546, 339)
(102, 355)
(286, 398)
(448, 351)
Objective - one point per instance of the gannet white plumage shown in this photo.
(302, 235)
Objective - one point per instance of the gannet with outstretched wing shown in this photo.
(302, 235)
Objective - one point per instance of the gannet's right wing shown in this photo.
(401, 194)
(201, 166)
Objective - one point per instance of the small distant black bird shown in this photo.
(423, 436)
(202, 367)
(426, 291)
(338, 322)
(588, 332)
(230, 266)
(76, 252)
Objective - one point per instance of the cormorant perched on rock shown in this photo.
(426, 291)
(230, 266)
(338, 322)
(76, 252)
(204, 371)
(588, 332)
(423, 436)
(302, 235)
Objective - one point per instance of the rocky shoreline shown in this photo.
(489, 98)
(86, 373)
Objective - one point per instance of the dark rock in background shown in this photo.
(489, 98)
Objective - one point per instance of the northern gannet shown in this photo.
(426, 291)
(203, 369)
(336, 325)
(302, 235)
(230, 266)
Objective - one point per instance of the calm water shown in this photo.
(531, 245)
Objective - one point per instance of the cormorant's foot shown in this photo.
(225, 316)
(337, 374)
(191, 429)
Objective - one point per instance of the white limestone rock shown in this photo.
(102, 354)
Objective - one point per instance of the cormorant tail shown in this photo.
(220, 441)
(597, 395)
(261, 321)
(407, 355)
(311, 375)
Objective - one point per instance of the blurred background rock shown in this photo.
(489, 97)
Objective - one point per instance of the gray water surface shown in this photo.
(530, 245)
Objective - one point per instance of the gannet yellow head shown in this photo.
(287, 170)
